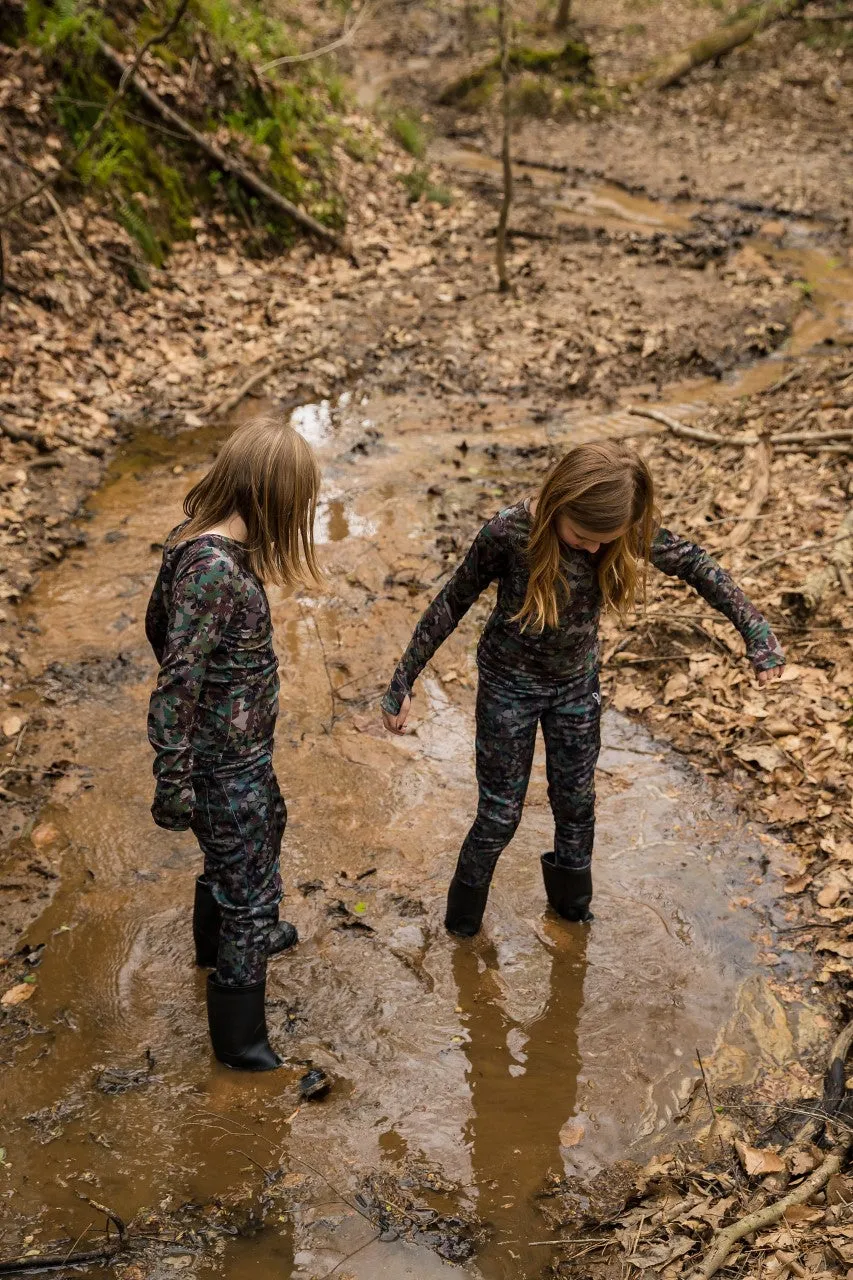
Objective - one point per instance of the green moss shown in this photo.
(571, 61)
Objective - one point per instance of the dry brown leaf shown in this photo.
(17, 994)
(629, 697)
(572, 1133)
(44, 834)
(757, 1162)
(765, 755)
(12, 726)
(676, 687)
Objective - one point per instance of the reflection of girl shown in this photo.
(521, 1096)
(581, 545)
(212, 715)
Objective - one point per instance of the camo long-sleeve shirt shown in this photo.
(216, 700)
(570, 651)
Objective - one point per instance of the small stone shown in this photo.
(315, 1084)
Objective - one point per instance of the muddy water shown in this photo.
(536, 1047)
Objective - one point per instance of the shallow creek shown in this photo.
(538, 1046)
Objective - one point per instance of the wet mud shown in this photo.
(464, 1071)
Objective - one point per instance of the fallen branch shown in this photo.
(225, 162)
(805, 599)
(760, 490)
(790, 551)
(127, 75)
(251, 384)
(834, 1090)
(50, 1261)
(346, 36)
(811, 437)
(78, 248)
(231, 401)
(770, 1214)
(691, 433)
(718, 43)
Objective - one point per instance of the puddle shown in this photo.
(492, 1061)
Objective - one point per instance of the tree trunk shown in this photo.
(719, 42)
(506, 159)
(564, 15)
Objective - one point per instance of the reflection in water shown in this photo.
(338, 525)
(313, 421)
(523, 1080)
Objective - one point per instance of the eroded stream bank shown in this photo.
(463, 1072)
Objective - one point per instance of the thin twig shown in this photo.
(790, 551)
(708, 1094)
(346, 36)
(97, 128)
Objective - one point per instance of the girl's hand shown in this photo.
(774, 673)
(397, 723)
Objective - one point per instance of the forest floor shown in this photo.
(688, 252)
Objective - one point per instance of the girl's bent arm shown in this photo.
(202, 604)
(482, 565)
(679, 558)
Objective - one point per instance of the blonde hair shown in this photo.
(603, 487)
(266, 473)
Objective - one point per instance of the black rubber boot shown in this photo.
(207, 919)
(569, 891)
(465, 907)
(237, 1020)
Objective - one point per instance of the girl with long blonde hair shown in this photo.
(212, 715)
(580, 547)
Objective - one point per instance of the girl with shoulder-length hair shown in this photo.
(212, 715)
(582, 545)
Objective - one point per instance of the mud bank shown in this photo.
(463, 1072)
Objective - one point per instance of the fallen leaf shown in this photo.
(12, 725)
(676, 687)
(17, 994)
(572, 1132)
(44, 834)
(766, 756)
(629, 698)
(757, 1162)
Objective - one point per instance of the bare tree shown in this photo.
(506, 159)
(564, 15)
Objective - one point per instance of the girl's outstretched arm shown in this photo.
(679, 558)
(202, 604)
(483, 563)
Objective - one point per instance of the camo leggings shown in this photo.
(239, 822)
(508, 712)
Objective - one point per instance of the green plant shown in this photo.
(51, 27)
(419, 187)
(410, 133)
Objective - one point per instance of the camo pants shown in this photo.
(239, 822)
(509, 710)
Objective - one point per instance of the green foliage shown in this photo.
(244, 29)
(420, 187)
(155, 181)
(410, 133)
(54, 27)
